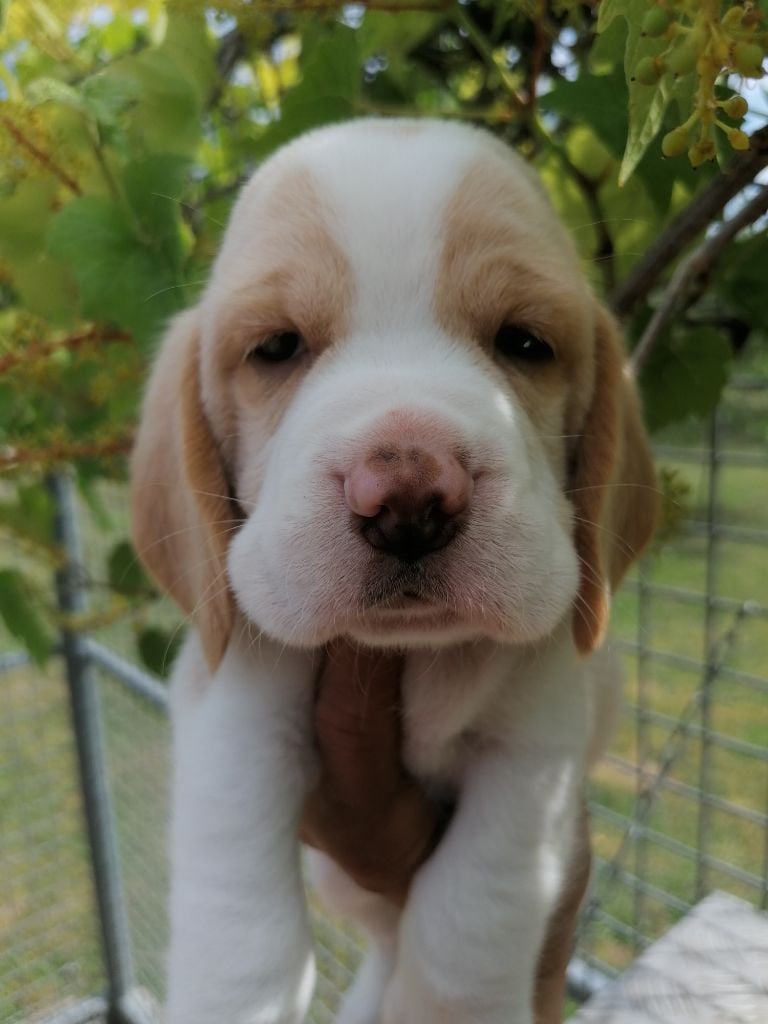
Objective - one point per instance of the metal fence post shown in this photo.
(86, 718)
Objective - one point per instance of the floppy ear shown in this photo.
(182, 512)
(613, 487)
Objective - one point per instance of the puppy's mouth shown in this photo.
(405, 601)
(405, 587)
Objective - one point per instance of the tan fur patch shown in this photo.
(506, 260)
(613, 487)
(297, 280)
(182, 514)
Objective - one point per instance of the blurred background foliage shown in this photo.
(126, 128)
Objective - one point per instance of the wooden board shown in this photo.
(711, 968)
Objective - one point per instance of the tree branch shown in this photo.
(41, 349)
(485, 50)
(540, 35)
(42, 157)
(13, 456)
(389, 6)
(699, 262)
(695, 218)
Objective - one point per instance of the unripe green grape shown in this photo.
(649, 70)
(656, 22)
(682, 60)
(738, 139)
(748, 59)
(733, 16)
(736, 107)
(675, 142)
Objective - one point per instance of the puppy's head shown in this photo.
(398, 413)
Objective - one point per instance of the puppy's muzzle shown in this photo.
(408, 500)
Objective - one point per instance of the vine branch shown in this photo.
(695, 218)
(13, 456)
(40, 155)
(41, 349)
(388, 6)
(485, 50)
(699, 262)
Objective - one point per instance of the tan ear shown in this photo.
(182, 512)
(613, 486)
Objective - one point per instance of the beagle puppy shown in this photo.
(397, 414)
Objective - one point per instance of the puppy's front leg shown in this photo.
(240, 948)
(477, 911)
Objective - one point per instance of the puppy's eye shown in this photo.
(279, 348)
(519, 343)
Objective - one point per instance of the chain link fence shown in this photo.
(679, 807)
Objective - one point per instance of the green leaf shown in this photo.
(123, 278)
(685, 376)
(20, 615)
(52, 90)
(597, 100)
(187, 45)
(30, 514)
(153, 186)
(25, 216)
(106, 97)
(168, 85)
(741, 278)
(124, 571)
(326, 92)
(381, 33)
(647, 103)
(158, 648)
(44, 285)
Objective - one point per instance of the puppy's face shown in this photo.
(396, 366)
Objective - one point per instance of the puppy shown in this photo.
(397, 414)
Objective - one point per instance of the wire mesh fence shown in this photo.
(679, 807)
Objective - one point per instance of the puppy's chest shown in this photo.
(454, 702)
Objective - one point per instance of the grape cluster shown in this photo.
(702, 42)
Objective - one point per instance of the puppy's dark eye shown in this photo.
(519, 343)
(279, 348)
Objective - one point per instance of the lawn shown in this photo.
(49, 950)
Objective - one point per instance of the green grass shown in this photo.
(49, 950)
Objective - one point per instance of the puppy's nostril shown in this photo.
(408, 538)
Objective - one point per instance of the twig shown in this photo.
(537, 56)
(12, 456)
(695, 218)
(41, 349)
(42, 157)
(388, 6)
(489, 115)
(699, 262)
(485, 50)
(605, 252)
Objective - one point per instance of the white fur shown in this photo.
(499, 709)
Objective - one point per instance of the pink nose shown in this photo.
(409, 498)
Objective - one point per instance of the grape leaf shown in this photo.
(684, 376)
(158, 648)
(20, 616)
(326, 92)
(647, 103)
(124, 571)
(123, 278)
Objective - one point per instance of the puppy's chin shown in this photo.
(444, 631)
(421, 629)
